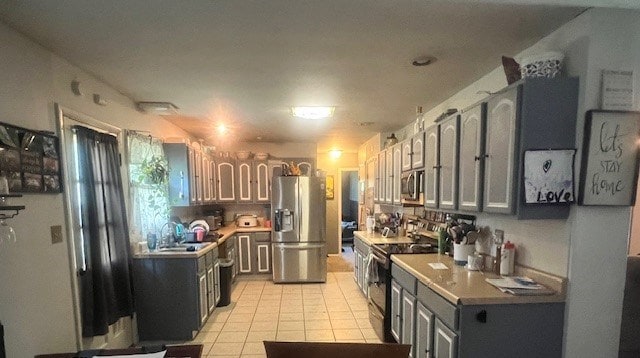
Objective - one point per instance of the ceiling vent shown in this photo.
(159, 108)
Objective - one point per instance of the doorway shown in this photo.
(348, 207)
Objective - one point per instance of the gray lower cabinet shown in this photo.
(172, 295)
(396, 310)
(254, 253)
(361, 252)
(261, 252)
(213, 281)
(445, 342)
(423, 346)
(445, 330)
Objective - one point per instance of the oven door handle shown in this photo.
(378, 261)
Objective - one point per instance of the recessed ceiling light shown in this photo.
(423, 61)
(365, 124)
(312, 112)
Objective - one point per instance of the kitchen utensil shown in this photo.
(472, 236)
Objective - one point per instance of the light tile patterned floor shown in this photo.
(335, 311)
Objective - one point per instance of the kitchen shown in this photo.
(570, 248)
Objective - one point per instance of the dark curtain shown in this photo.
(105, 281)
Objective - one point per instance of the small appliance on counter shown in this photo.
(215, 219)
(247, 220)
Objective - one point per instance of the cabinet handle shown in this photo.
(181, 194)
(482, 316)
(437, 166)
(476, 158)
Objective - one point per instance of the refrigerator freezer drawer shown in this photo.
(299, 262)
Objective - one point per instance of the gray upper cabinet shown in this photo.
(406, 154)
(413, 152)
(182, 174)
(417, 151)
(500, 152)
(449, 138)
(388, 183)
(382, 176)
(244, 170)
(532, 114)
(208, 189)
(471, 170)
(431, 167)
(261, 182)
(226, 186)
(397, 172)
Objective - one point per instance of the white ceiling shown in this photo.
(245, 62)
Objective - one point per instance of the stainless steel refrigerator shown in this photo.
(299, 230)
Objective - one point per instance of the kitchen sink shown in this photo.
(185, 247)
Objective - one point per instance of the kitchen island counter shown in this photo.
(461, 286)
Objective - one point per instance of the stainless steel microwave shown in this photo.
(411, 184)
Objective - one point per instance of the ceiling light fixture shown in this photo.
(160, 108)
(335, 153)
(423, 61)
(313, 112)
(222, 129)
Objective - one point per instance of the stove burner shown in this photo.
(390, 249)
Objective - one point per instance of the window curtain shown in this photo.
(105, 280)
(149, 198)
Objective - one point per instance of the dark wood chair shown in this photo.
(335, 350)
(186, 351)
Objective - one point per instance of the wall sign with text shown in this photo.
(30, 160)
(609, 172)
(548, 176)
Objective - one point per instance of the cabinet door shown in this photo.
(211, 289)
(199, 177)
(263, 257)
(216, 282)
(382, 175)
(244, 253)
(364, 285)
(417, 150)
(213, 179)
(388, 184)
(445, 341)
(206, 179)
(261, 180)
(193, 176)
(448, 166)
(408, 329)
(397, 173)
(431, 167)
(226, 181)
(356, 267)
(371, 173)
(244, 182)
(396, 309)
(202, 297)
(499, 153)
(406, 155)
(471, 159)
(424, 332)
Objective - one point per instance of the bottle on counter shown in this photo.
(507, 261)
(497, 260)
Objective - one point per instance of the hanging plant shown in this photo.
(154, 171)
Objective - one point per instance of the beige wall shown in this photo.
(331, 167)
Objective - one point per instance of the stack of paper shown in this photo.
(520, 286)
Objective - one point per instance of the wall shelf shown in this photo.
(4, 208)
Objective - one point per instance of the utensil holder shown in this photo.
(461, 253)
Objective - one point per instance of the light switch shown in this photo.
(56, 234)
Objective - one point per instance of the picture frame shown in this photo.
(609, 166)
(549, 176)
(30, 160)
(329, 187)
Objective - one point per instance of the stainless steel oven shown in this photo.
(411, 186)
(380, 293)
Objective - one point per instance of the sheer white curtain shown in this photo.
(149, 195)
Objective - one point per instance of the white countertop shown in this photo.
(376, 238)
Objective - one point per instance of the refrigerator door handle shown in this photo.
(299, 247)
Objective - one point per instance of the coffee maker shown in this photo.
(215, 219)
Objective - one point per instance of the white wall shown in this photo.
(35, 299)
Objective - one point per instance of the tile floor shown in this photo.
(335, 311)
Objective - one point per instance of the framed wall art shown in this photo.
(329, 187)
(548, 176)
(30, 160)
(609, 171)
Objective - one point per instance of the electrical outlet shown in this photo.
(56, 234)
